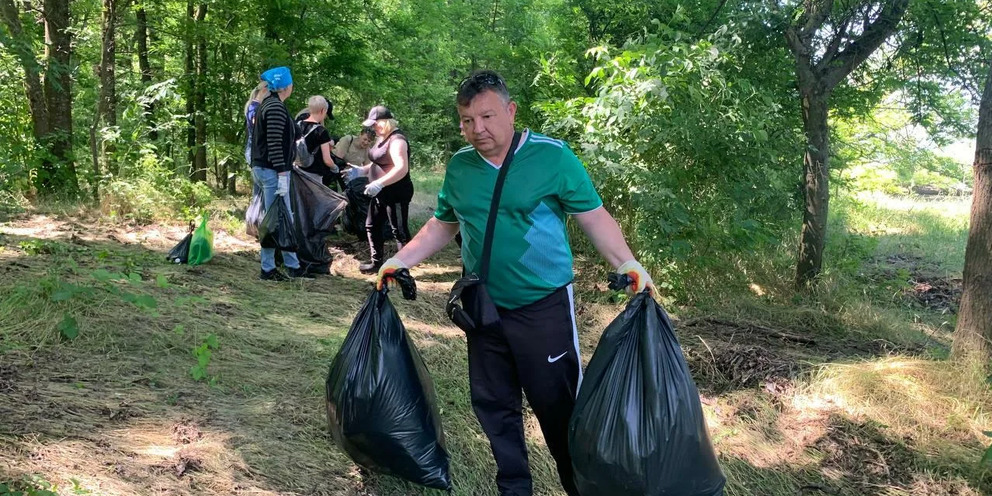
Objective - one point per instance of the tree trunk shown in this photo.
(21, 47)
(973, 334)
(107, 106)
(190, 88)
(816, 177)
(58, 172)
(200, 101)
(141, 37)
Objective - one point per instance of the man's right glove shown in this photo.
(283, 188)
(639, 277)
(388, 269)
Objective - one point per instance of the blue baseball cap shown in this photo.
(277, 78)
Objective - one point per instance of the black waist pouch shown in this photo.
(470, 306)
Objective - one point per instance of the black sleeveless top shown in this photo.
(379, 155)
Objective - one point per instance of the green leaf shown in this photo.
(161, 281)
(211, 341)
(64, 293)
(146, 301)
(987, 458)
(103, 275)
(179, 330)
(134, 277)
(69, 328)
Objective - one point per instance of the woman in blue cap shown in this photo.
(272, 159)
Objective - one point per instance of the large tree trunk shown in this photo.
(107, 106)
(58, 172)
(21, 47)
(200, 101)
(816, 177)
(190, 87)
(973, 334)
(145, 66)
(825, 56)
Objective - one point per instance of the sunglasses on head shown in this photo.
(483, 79)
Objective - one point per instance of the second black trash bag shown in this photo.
(276, 229)
(255, 213)
(180, 253)
(317, 209)
(638, 426)
(381, 404)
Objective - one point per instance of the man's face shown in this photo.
(487, 123)
(364, 141)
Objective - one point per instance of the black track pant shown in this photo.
(536, 350)
(380, 212)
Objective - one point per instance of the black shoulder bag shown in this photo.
(477, 311)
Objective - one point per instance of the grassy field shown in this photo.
(204, 380)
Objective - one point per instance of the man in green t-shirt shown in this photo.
(535, 347)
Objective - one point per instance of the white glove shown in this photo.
(373, 188)
(283, 188)
(640, 278)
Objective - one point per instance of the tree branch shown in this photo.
(872, 38)
(709, 21)
(975, 95)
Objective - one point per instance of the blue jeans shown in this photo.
(268, 181)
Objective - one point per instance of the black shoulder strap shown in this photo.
(487, 243)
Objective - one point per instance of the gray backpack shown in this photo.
(304, 158)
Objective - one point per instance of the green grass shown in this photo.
(117, 409)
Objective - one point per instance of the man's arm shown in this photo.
(431, 238)
(605, 234)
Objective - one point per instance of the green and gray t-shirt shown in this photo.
(531, 256)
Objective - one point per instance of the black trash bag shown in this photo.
(255, 212)
(180, 253)
(357, 212)
(316, 208)
(277, 230)
(638, 427)
(381, 405)
(358, 206)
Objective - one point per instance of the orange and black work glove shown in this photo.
(388, 271)
(640, 280)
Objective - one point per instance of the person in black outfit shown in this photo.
(319, 142)
(389, 185)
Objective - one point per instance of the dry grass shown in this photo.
(117, 409)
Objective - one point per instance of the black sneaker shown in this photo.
(369, 268)
(273, 275)
(300, 272)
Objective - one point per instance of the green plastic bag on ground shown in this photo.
(201, 247)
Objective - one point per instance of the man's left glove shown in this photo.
(283, 188)
(373, 188)
(388, 269)
(640, 280)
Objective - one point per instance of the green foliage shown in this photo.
(203, 352)
(153, 193)
(678, 141)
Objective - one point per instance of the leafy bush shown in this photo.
(694, 160)
(153, 192)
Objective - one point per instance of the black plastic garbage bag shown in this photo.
(358, 209)
(316, 208)
(638, 427)
(276, 229)
(381, 405)
(358, 206)
(255, 213)
(180, 253)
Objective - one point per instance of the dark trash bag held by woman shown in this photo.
(638, 427)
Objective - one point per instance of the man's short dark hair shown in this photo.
(478, 82)
(368, 131)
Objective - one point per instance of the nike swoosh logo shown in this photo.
(555, 359)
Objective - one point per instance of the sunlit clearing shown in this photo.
(926, 400)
